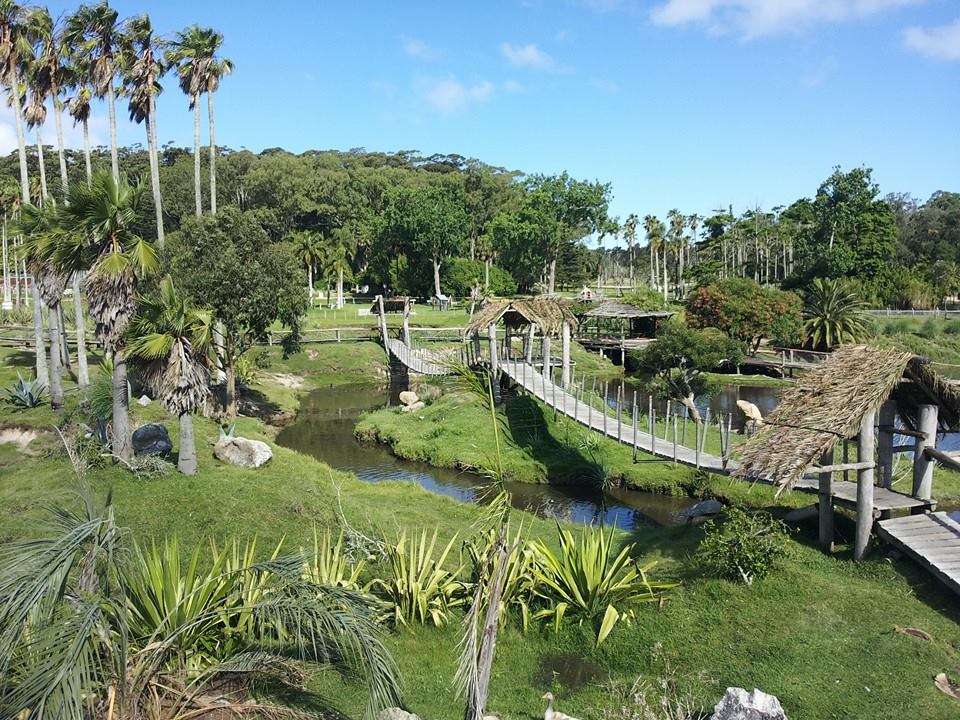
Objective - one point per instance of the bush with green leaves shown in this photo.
(25, 394)
(463, 274)
(743, 546)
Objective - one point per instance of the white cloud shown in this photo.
(757, 18)
(942, 43)
(512, 87)
(527, 56)
(449, 95)
(72, 136)
(418, 49)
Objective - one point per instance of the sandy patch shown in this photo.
(20, 437)
(294, 382)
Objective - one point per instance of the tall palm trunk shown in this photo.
(213, 157)
(666, 277)
(43, 168)
(340, 287)
(552, 278)
(310, 280)
(56, 384)
(122, 439)
(39, 349)
(7, 297)
(86, 151)
(436, 276)
(155, 170)
(112, 109)
(83, 373)
(196, 154)
(61, 155)
(64, 348)
(187, 450)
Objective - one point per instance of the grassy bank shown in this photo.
(819, 633)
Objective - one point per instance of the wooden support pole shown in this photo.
(546, 355)
(683, 435)
(696, 443)
(620, 413)
(653, 434)
(866, 446)
(565, 355)
(923, 463)
(529, 344)
(635, 423)
(675, 413)
(666, 424)
(704, 430)
(825, 504)
(887, 417)
(593, 390)
(383, 322)
(406, 322)
(553, 389)
(604, 406)
(494, 362)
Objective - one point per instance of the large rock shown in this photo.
(408, 397)
(738, 704)
(704, 508)
(395, 714)
(151, 439)
(418, 405)
(143, 401)
(243, 452)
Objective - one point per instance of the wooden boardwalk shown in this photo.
(932, 539)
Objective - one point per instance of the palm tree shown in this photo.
(678, 223)
(79, 107)
(142, 71)
(169, 342)
(194, 54)
(832, 314)
(100, 234)
(95, 628)
(654, 230)
(93, 33)
(340, 254)
(630, 235)
(308, 248)
(50, 75)
(14, 47)
(39, 226)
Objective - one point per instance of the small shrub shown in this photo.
(26, 394)
(743, 547)
(952, 327)
(330, 564)
(930, 328)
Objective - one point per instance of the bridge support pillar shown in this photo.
(383, 323)
(888, 416)
(565, 357)
(866, 445)
(529, 344)
(545, 369)
(406, 322)
(922, 463)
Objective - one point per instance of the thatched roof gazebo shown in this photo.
(548, 316)
(840, 400)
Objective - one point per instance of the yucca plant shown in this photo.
(26, 394)
(590, 583)
(520, 578)
(329, 564)
(420, 588)
(833, 314)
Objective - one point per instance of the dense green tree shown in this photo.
(228, 263)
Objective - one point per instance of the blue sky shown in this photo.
(692, 104)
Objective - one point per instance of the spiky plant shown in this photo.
(169, 344)
(833, 314)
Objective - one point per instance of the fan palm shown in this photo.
(169, 342)
(142, 70)
(654, 230)
(79, 107)
(194, 55)
(630, 235)
(340, 254)
(92, 31)
(39, 228)
(93, 629)
(678, 241)
(14, 47)
(832, 314)
(101, 225)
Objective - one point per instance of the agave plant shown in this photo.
(88, 629)
(26, 394)
(588, 582)
(833, 314)
(420, 589)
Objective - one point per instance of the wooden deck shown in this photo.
(933, 540)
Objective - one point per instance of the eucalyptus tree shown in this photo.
(93, 33)
(102, 233)
(14, 48)
(141, 71)
(169, 342)
(193, 53)
(630, 235)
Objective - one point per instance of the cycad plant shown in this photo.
(89, 629)
(832, 314)
(169, 343)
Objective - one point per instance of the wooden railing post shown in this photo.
(866, 445)
(923, 463)
(825, 504)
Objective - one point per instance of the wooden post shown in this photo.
(635, 423)
(477, 352)
(406, 322)
(887, 418)
(620, 413)
(604, 406)
(593, 391)
(846, 459)
(494, 362)
(825, 504)
(565, 355)
(530, 333)
(696, 443)
(666, 424)
(553, 389)
(866, 445)
(704, 430)
(653, 433)
(922, 463)
(383, 321)
(683, 434)
(545, 341)
(338, 334)
(650, 424)
(675, 413)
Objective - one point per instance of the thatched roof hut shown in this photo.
(828, 404)
(615, 309)
(548, 314)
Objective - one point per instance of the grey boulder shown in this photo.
(143, 401)
(704, 508)
(395, 714)
(738, 704)
(151, 439)
(408, 397)
(242, 452)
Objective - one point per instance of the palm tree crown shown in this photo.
(833, 314)
(194, 54)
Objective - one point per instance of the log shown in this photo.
(866, 445)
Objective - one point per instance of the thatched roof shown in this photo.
(615, 309)
(827, 405)
(546, 313)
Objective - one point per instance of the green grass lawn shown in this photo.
(819, 632)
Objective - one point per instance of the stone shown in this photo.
(151, 439)
(408, 397)
(143, 401)
(395, 714)
(242, 452)
(418, 405)
(738, 704)
(751, 411)
(704, 508)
